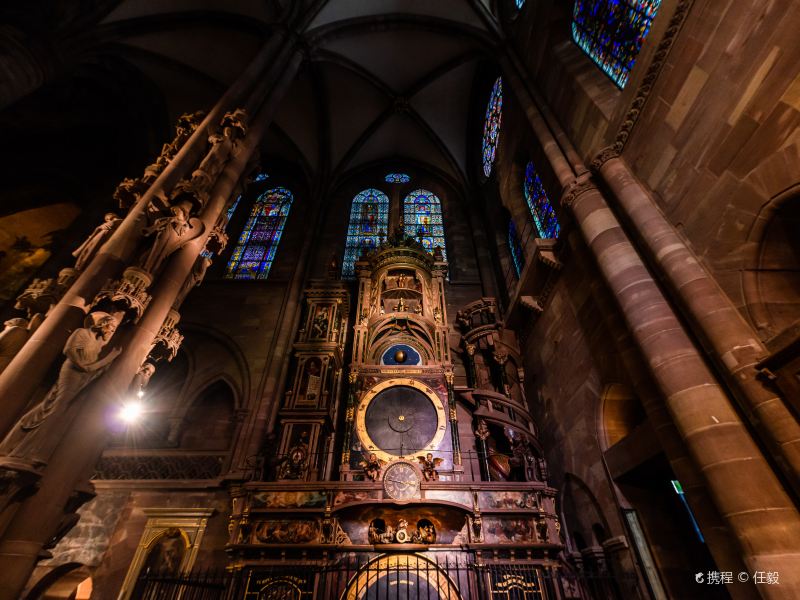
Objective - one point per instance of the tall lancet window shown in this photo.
(369, 219)
(611, 32)
(422, 218)
(515, 248)
(253, 255)
(544, 217)
(491, 127)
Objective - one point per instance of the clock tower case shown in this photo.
(400, 403)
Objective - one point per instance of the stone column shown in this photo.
(735, 346)
(740, 481)
(720, 541)
(38, 517)
(19, 380)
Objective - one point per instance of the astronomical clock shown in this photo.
(405, 461)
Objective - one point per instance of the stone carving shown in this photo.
(130, 190)
(85, 252)
(223, 145)
(577, 188)
(372, 467)
(542, 532)
(522, 455)
(41, 294)
(83, 365)
(12, 339)
(319, 326)
(142, 377)
(169, 234)
(168, 339)
(128, 294)
(428, 464)
(194, 279)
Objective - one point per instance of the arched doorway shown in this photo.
(405, 576)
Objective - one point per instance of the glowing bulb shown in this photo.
(131, 412)
(140, 393)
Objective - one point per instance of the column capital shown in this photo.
(576, 188)
(606, 154)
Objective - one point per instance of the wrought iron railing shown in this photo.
(389, 577)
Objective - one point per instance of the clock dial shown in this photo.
(401, 482)
(401, 420)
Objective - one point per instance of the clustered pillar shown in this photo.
(134, 272)
(744, 489)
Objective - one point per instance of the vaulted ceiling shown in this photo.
(385, 80)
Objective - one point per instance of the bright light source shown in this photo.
(140, 393)
(131, 412)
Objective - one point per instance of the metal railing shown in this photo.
(386, 577)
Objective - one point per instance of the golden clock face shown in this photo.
(400, 481)
(400, 418)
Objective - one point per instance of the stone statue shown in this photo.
(295, 463)
(194, 278)
(170, 233)
(86, 251)
(12, 339)
(83, 364)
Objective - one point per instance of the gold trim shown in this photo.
(361, 429)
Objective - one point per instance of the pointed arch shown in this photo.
(491, 126)
(544, 216)
(422, 219)
(515, 248)
(611, 32)
(253, 256)
(369, 220)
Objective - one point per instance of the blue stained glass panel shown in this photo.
(258, 242)
(491, 127)
(397, 178)
(369, 220)
(544, 217)
(519, 3)
(516, 249)
(611, 32)
(422, 219)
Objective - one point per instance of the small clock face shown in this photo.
(400, 481)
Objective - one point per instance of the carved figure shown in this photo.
(142, 377)
(12, 339)
(482, 431)
(401, 306)
(295, 463)
(522, 456)
(319, 326)
(437, 314)
(372, 467)
(194, 278)
(428, 464)
(86, 251)
(170, 233)
(427, 533)
(82, 365)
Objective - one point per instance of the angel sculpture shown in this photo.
(372, 466)
(428, 465)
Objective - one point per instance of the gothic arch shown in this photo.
(777, 178)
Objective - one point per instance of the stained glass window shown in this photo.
(253, 255)
(519, 3)
(491, 128)
(611, 32)
(544, 217)
(422, 219)
(397, 178)
(261, 177)
(514, 246)
(369, 219)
